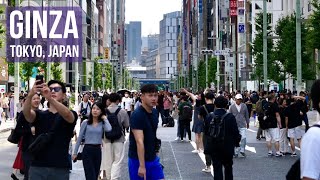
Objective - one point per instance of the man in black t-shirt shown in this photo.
(143, 159)
(273, 118)
(203, 112)
(52, 162)
(294, 116)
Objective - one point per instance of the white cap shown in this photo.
(238, 96)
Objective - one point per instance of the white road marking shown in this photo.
(202, 156)
(252, 130)
(175, 159)
(251, 149)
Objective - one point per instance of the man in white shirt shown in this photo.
(310, 144)
(126, 103)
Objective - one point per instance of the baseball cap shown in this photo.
(238, 96)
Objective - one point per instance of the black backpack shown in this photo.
(294, 172)
(217, 128)
(186, 114)
(267, 118)
(117, 130)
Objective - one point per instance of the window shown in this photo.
(309, 6)
(269, 18)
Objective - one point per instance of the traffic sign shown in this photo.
(222, 52)
(241, 28)
(103, 77)
(103, 61)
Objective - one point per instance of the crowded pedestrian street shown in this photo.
(178, 160)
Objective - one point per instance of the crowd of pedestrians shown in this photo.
(219, 120)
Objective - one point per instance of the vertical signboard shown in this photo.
(233, 7)
(3, 70)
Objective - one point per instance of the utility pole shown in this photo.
(265, 46)
(76, 83)
(217, 44)
(298, 46)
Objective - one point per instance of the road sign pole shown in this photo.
(218, 44)
(265, 47)
(206, 69)
(298, 46)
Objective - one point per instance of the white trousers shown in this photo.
(112, 159)
(283, 140)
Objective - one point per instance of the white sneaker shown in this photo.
(195, 151)
(206, 170)
(177, 138)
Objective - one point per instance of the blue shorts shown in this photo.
(153, 168)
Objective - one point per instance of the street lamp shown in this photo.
(206, 52)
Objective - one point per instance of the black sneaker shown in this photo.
(294, 154)
(14, 177)
(243, 154)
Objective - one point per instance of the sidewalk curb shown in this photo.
(5, 130)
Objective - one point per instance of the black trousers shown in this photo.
(222, 160)
(26, 157)
(91, 159)
(207, 156)
(185, 125)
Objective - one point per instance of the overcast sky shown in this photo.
(150, 12)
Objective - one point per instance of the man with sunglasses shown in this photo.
(52, 162)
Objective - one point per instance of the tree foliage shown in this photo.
(56, 71)
(286, 47)
(313, 24)
(212, 69)
(257, 51)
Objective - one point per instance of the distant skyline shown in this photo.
(150, 12)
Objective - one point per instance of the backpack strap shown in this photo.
(204, 106)
(107, 111)
(117, 111)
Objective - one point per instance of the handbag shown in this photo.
(13, 137)
(79, 154)
(42, 141)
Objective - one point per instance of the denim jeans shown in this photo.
(48, 173)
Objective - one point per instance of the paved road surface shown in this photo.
(179, 162)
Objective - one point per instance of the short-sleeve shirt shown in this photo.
(56, 153)
(310, 156)
(274, 108)
(148, 122)
(293, 114)
(202, 111)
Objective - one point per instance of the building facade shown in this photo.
(151, 63)
(134, 42)
(168, 40)
(153, 42)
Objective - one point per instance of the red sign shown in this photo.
(233, 7)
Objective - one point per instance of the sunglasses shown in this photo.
(55, 89)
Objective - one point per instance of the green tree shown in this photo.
(257, 51)
(26, 71)
(10, 68)
(97, 74)
(285, 51)
(212, 69)
(56, 71)
(313, 35)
